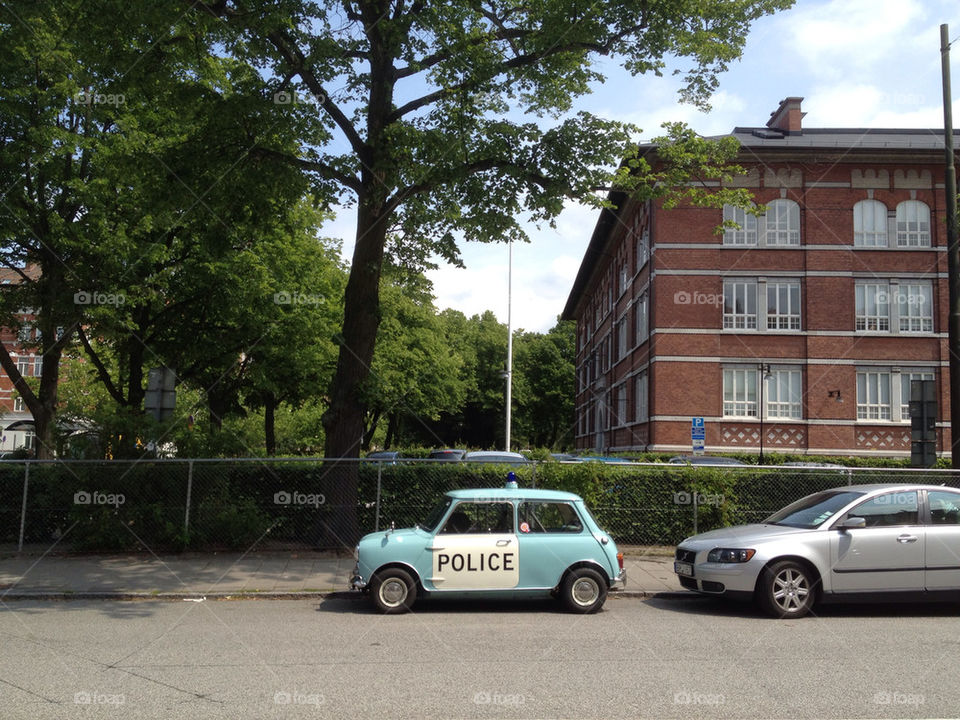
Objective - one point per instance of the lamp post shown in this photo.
(764, 372)
(509, 372)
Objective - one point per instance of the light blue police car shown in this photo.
(493, 543)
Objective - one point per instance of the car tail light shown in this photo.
(620, 560)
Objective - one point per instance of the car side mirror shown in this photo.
(851, 522)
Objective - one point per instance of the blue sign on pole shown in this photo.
(698, 435)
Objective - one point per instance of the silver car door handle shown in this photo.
(907, 539)
(502, 543)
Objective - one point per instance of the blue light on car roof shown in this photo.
(511, 481)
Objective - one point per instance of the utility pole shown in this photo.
(953, 250)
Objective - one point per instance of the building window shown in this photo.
(916, 308)
(870, 224)
(739, 393)
(873, 395)
(913, 224)
(643, 327)
(746, 231)
(624, 276)
(622, 346)
(905, 379)
(29, 440)
(621, 418)
(23, 365)
(783, 223)
(740, 305)
(38, 366)
(18, 404)
(783, 306)
(873, 307)
(24, 334)
(643, 398)
(782, 394)
(643, 248)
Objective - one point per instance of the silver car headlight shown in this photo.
(730, 555)
(356, 553)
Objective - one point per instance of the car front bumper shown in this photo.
(357, 581)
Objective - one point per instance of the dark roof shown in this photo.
(846, 138)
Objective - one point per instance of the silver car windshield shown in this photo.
(813, 510)
(436, 515)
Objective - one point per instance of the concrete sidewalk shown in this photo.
(219, 575)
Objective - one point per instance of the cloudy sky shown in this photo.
(856, 63)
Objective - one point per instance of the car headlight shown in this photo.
(730, 555)
(356, 553)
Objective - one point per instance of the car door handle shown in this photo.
(907, 539)
(502, 543)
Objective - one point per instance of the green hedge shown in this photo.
(238, 505)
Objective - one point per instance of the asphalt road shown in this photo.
(657, 658)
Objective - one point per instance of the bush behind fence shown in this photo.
(171, 505)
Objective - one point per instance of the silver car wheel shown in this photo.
(585, 591)
(393, 592)
(790, 590)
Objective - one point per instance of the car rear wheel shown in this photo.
(787, 589)
(583, 590)
(393, 591)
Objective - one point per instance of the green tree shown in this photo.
(414, 122)
(544, 386)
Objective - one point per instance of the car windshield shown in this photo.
(435, 516)
(813, 510)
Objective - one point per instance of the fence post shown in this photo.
(849, 477)
(186, 513)
(376, 515)
(695, 506)
(23, 506)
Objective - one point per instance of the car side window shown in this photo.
(944, 507)
(480, 517)
(896, 508)
(549, 517)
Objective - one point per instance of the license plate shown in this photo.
(681, 568)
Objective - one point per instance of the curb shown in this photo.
(59, 596)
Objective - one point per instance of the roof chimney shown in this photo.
(788, 117)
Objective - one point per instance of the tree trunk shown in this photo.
(392, 422)
(269, 427)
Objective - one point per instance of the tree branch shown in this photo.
(102, 371)
(350, 181)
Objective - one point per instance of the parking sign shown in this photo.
(698, 434)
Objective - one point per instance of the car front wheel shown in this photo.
(787, 589)
(393, 591)
(583, 590)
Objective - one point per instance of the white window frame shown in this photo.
(643, 248)
(24, 364)
(782, 223)
(621, 405)
(747, 234)
(783, 394)
(786, 318)
(740, 393)
(871, 405)
(623, 334)
(915, 308)
(870, 227)
(642, 399)
(735, 318)
(913, 224)
(18, 404)
(643, 323)
(872, 307)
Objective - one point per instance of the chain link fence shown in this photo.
(165, 505)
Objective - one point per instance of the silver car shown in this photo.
(862, 540)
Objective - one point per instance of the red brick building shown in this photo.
(20, 343)
(809, 321)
